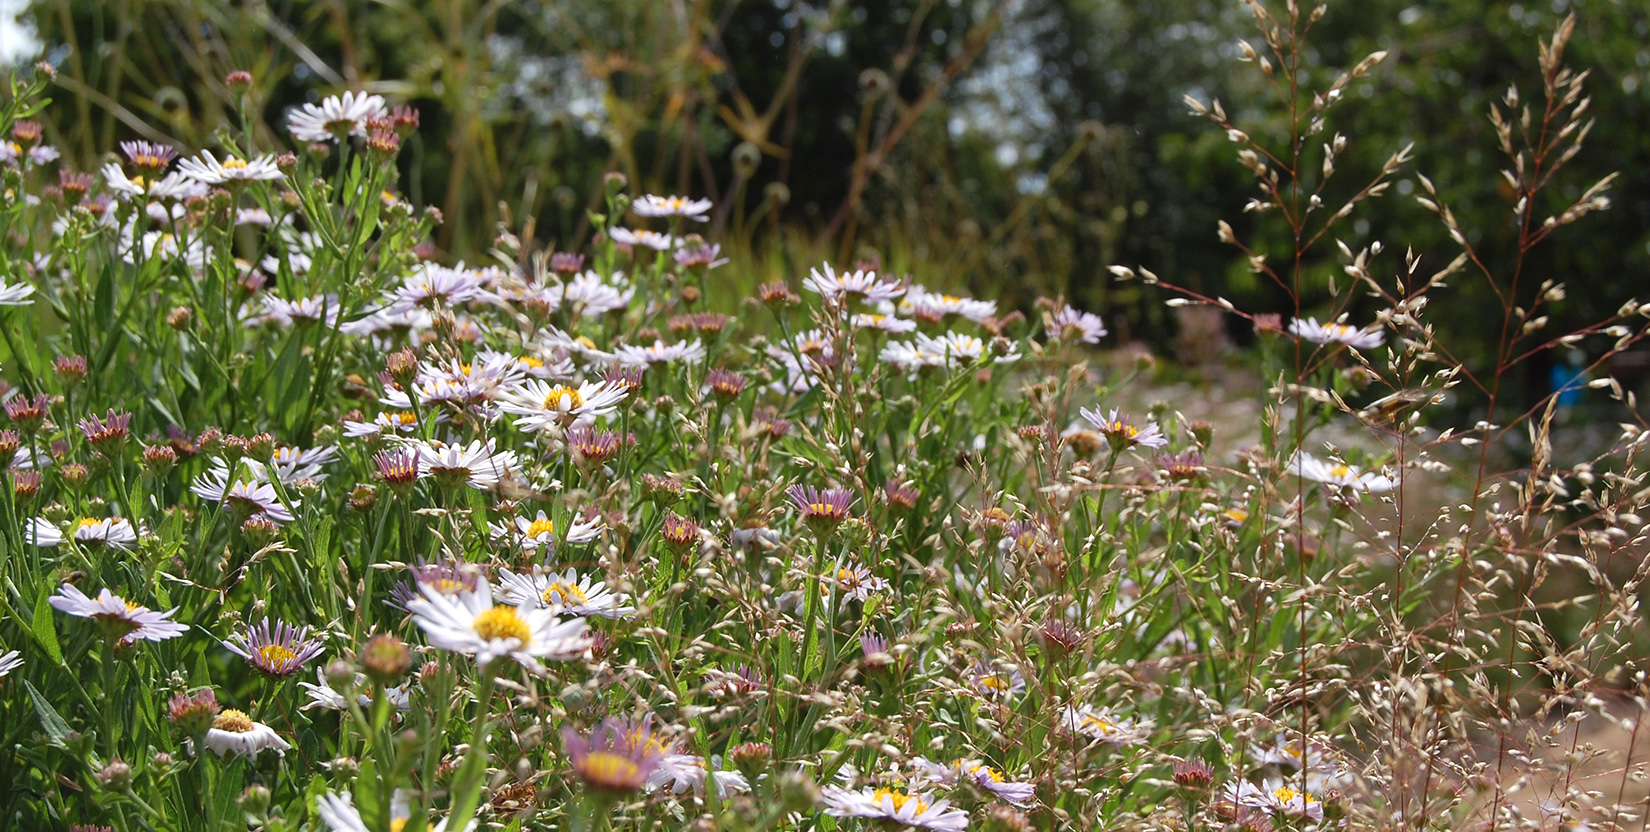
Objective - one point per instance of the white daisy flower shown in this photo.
(470, 623)
(588, 296)
(886, 323)
(134, 622)
(1348, 478)
(856, 583)
(380, 321)
(233, 732)
(960, 349)
(9, 662)
(43, 533)
(399, 421)
(910, 357)
(660, 353)
(672, 206)
(477, 464)
(680, 773)
(562, 594)
(1276, 797)
(19, 294)
(1000, 683)
(866, 285)
(322, 695)
(314, 309)
(338, 812)
(932, 306)
(207, 170)
(335, 117)
(918, 809)
(115, 532)
(1085, 326)
(1335, 333)
(541, 531)
(432, 282)
(253, 216)
(552, 339)
(1101, 724)
(542, 406)
(643, 237)
(258, 498)
(931, 773)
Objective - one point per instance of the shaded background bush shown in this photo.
(1015, 148)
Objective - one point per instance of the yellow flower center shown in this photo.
(398, 824)
(446, 586)
(899, 799)
(501, 623)
(275, 655)
(234, 721)
(584, 341)
(1237, 514)
(994, 683)
(1340, 471)
(1095, 723)
(541, 528)
(563, 398)
(234, 164)
(1284, 794)
(568, 593)
(530, 362)
(607, 770)
(138, 181)
(405, 418)
(87, 522)
(996, 776)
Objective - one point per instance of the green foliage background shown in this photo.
(1089, 160)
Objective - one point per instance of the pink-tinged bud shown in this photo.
(159, 460)
(116, 776)
(70, 369)
(386, 659)
(194, 712)
(238, 81)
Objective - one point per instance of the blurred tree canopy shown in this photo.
(1016, 147)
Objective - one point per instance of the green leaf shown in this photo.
(56, 728)
(44, 629)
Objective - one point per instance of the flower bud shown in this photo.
(385, 659)
(70, 369)
(796, 792)
(255, 800)
(238, 81)
(116, 776)
(158, 460)
(751, 758)
(193, 713)
(339, 675)
(260, 531)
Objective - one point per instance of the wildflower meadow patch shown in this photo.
(307, 527)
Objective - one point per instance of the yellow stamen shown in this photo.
(234, 164)
(541, 528)
(899, 799)
(568, 594)
(607, 770)
(501, 623)
(234, 721)
(563, 398)
(275, 655)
